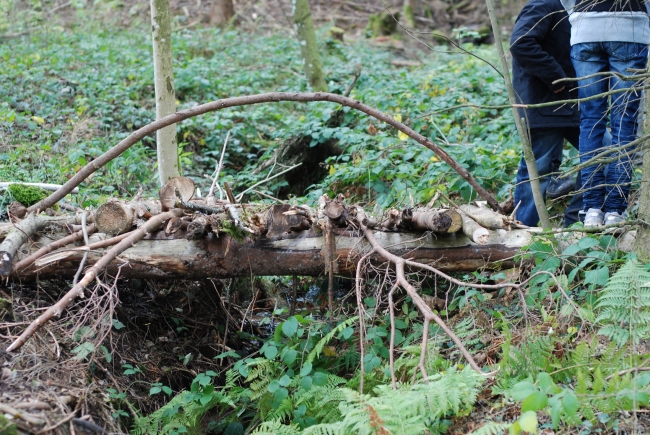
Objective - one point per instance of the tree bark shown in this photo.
(409, 13)
(161, 256)
(222, 12)
(163, 72)
(642, 242)
(304, 25)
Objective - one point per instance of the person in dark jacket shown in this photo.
(541, 55)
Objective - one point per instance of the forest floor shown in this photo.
(69, 93)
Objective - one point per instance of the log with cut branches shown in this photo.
(286, 244)
(77, 290)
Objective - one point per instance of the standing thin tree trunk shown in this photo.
(308, 46)
(163, 72)
(529, 156)
(642, 243)
(222, 13)
(409, 13)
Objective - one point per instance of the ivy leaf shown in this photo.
(235, 428)
(281, 394)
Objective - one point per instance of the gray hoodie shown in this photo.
(608, 21)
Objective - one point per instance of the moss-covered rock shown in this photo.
(7, 427)
(27, 195)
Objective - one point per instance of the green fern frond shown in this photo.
(275, 427)
(492, 429)
(318, 349)
(408, 410)
(182, 412)
(624, 304)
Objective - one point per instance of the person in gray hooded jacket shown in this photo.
(609, 42)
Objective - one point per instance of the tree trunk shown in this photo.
(642, 243)
(160, 256)
(164, 86)
(409, 13)
(308, 46)
(222, 12)
(522, 129)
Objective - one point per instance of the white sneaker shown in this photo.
(615, 217)
(594, 218)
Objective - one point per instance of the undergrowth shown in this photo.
(68, 96)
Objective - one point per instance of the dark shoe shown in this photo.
(558, 187)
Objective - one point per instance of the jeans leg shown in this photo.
(547, 146)
(589, 59)
(624, 120)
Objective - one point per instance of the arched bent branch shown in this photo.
(139, 134)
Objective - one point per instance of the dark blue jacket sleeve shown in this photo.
(536, 19)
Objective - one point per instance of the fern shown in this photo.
(181, 413)
(322, 402)
(318, 349)
(624, 304)
(492, 429)
(275, 427)
(468, 332)
(407, 410)
(531, 357)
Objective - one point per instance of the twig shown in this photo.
(357, 282)
(270, 197)
(61, 422)
(85, 257)
(239, 197)
(357, 73)
(231, 197)
(391, 352)
(27, 261)
(412, 292)
(77, 290)
(174, 118)
(216, 176)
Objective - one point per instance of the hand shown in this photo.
(559, 90)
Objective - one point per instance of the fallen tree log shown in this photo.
(161, 256)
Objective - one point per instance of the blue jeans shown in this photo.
(607, 191)
(547, 144)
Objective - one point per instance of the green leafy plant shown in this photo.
(624, 304)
